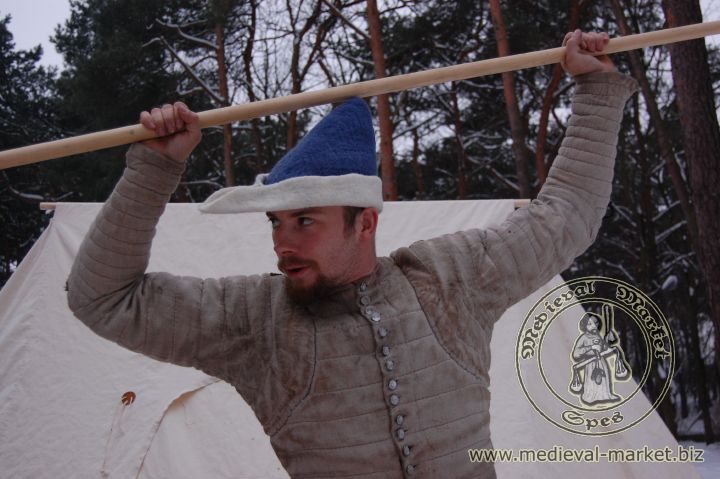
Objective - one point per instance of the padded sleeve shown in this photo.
(494, 268)
(183, 320)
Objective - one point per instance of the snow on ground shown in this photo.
(710, 467)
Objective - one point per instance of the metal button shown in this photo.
(394, 399)
(364, 300)
(400, 434)
(389, 364)
(363, 286)
(386, 351)
(406, 451)
(392, 384)
(371, 314)
(410, 468)
(399, 419)
(382, 332)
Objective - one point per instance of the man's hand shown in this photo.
(180, 123)
(578, 59)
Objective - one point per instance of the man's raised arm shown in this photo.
(156, 314)
(499, 266)
(116, 250)
(543, 239)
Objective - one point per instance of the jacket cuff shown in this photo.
(153, 170)
(610, 88)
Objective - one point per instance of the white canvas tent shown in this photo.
(61, 413)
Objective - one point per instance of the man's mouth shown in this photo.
(295, 267)
(295, 271)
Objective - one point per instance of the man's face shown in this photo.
(592, 325)
(314, 250)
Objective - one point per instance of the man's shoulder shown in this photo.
(461, 242)
(267, 286)
(454, 255)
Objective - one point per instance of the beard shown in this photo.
(304, 295)
(322, 287)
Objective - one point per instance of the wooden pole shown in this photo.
(518, 203)
(134, 133)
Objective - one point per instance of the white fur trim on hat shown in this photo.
(294, 193)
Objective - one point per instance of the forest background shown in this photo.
(489, 137)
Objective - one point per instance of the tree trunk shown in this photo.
(222, 77)
(296, 74)
(668, 155)
(517, 126)
(260, 161)
(292, 132)
(548, 101)
(461, 153)
(419, 182)
(699, 369)
(6, 264)
(701, 134)
(663, 135)
(415, 158)
(684, 410)
(387, 164)
(648, 253)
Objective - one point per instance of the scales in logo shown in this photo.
(602, 396)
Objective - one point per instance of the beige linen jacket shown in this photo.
(388, 378)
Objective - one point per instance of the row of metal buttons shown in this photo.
(393, 383)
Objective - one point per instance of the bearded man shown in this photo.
(356, 366)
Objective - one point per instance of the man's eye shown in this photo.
(305, 221)
(273, 222)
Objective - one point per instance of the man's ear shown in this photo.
(368, 220)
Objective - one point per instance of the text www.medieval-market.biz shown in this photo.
(562, 454)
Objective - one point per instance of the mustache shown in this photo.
(290, 262)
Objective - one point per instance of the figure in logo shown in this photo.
(591, 378)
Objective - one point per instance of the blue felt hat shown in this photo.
(334, 165)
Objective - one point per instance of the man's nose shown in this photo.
(284, 244)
